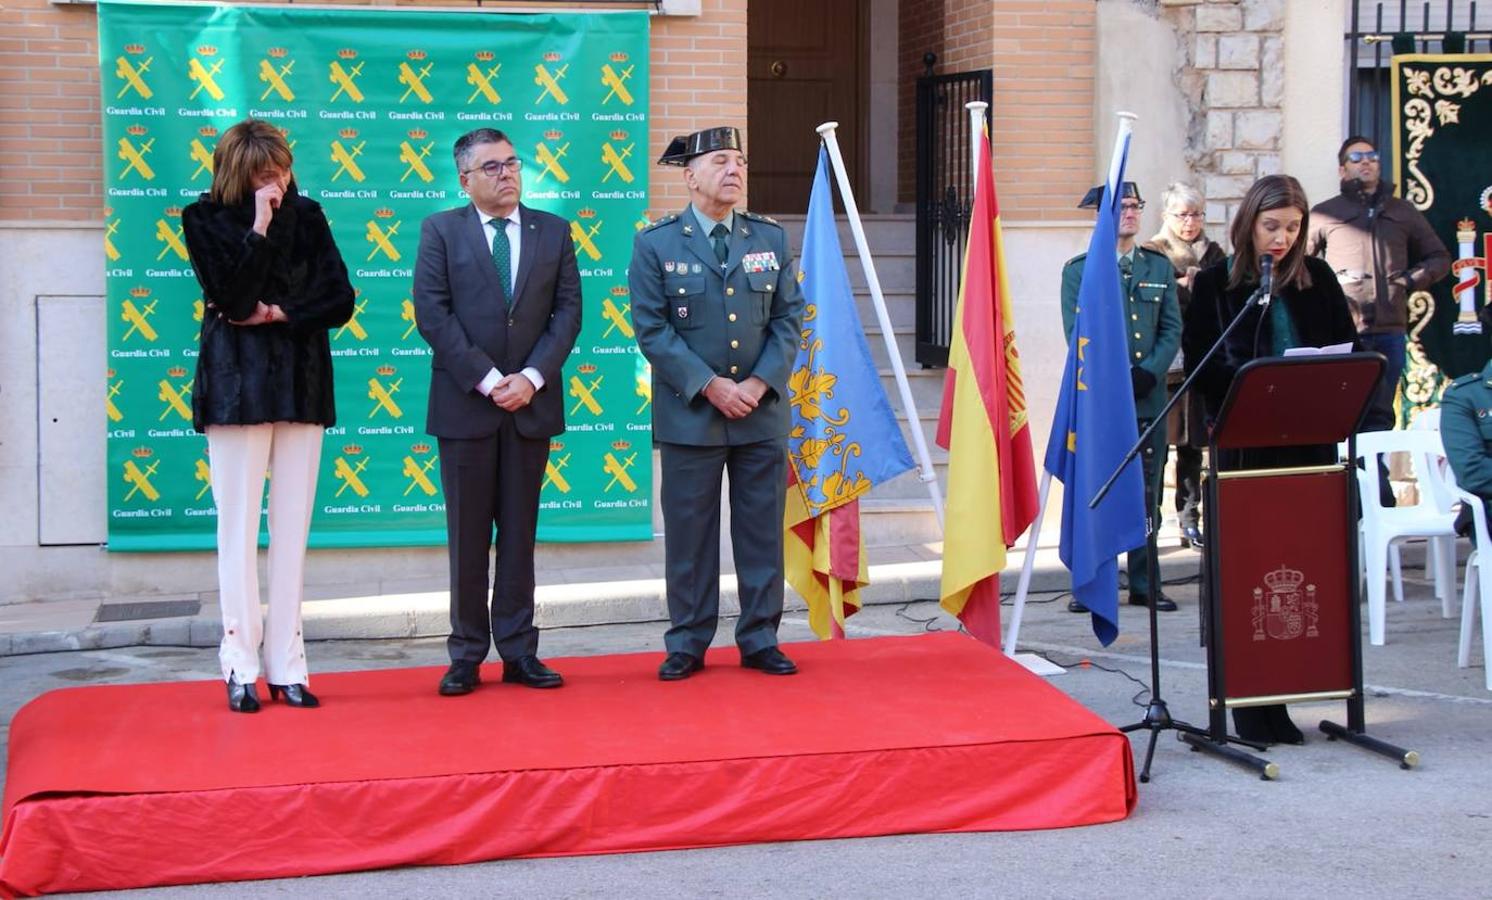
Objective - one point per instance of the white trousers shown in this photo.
(238, 456)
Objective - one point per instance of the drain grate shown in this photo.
(151, 609)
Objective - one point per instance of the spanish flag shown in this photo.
(983, 426)
(844, 438)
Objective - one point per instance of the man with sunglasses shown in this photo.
(1382, 250)
(1152, 320)
(497, 297)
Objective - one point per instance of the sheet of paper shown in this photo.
(1328, 350)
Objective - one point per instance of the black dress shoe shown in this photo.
(770, 660)
(1162, 602)
(529, 671)
(1191, 536)
(679, 666)
(242, 698)
(1074, 606)
(295, 695)
(460, 678)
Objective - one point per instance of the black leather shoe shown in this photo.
(1162, 602)
(460, 678)
(295, 695)
(530, 672)
(1191, 536)
(242, 698)
(1074, 606)
(679, 666)
(770, 660)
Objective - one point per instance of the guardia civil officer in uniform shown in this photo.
(1466, 430)
(717, 311)
(1152, 319)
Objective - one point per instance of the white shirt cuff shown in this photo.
(487, 384)
(533, 376)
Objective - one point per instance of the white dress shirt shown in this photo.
(514, 226)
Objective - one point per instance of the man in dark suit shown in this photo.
(717, 309)
(497, 296)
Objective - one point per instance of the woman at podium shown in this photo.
(1307, 309)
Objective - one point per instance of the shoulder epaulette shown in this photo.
(758, 217)
(1466, 379)
(660, 222)
(1153, 252)
(1076, 259)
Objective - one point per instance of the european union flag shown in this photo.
(845, 437)
(1094, 427)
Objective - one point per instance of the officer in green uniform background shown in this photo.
(717, 311)
(1152, 319)
(1466, 431)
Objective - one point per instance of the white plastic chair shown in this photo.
(1440, 548)
(1478, 584)
(1382, 526)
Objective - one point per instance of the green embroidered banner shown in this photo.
(1442, 108)
(371, 102)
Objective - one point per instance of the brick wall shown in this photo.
(698, 81)
(50, 131)
(920, 31)
(1041, 120)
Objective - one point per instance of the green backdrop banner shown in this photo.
(1443, 165)
(371, 102)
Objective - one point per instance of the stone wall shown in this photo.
(1232, 75)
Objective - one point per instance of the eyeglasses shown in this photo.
(494, 168)
(1131, 205)
(1186, 216)
(1357, 156)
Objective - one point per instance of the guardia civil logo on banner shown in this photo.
(1442, 106)
(371, 102)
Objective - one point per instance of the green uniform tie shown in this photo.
(502, 257)
(717, 240)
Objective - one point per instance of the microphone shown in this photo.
(1266, 279)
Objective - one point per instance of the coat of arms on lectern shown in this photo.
(1284, 611)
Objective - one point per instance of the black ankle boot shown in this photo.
(295, 695)
(242, 697)
(1284, 730)
(1253, 723)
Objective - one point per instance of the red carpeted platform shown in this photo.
(127, 786)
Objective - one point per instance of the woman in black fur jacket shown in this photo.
(273, 283)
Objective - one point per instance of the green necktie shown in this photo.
(717, 240)
(1126, 269)
(502, 256)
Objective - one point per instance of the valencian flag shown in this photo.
(844, 438)
(983, 425)
(1095, 426)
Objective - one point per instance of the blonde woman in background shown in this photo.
(1187, 246)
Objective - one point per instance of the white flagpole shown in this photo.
(1126, 126)
(977, 110)
(926, 474)
(1022, 587)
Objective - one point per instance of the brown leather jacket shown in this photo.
(1381, 249)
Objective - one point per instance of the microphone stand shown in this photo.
(1157, 716)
